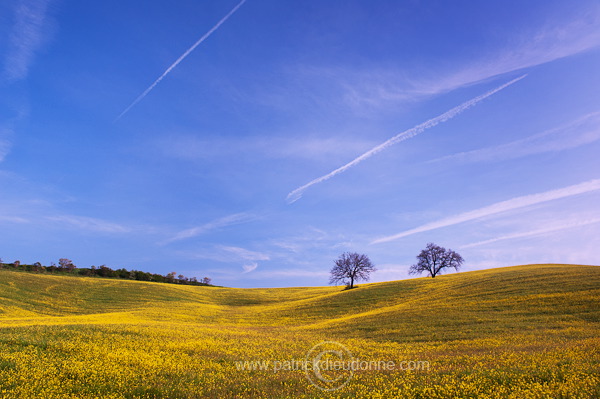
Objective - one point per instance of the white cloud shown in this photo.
(299, 272)
(14, 219)
(555, 227)
(582, 131)
(310, 238)
(499, 207)
(223, 253)
(245, 254)
(307, 146)
(88, 224)
(547, 44)
(250, 267)
(229, 220)
(374, 88)
(26, 38)
(4, 149)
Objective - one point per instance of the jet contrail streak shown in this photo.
(203, 38)
(499, 207)
(407, 134)
(580, 223)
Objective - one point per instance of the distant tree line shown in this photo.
(65, 266)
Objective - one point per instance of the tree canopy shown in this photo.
(351, 267)
(433, 259)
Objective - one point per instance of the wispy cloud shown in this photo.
(250, 267)
(88, 224)
(4, 148)
(310, 239)
(537, 232)
(584, 130)
(499, 207)
(373, 87)
(244, 254)
(26, 37)
(407, 134)
(191, 147)
(14, 219)
(181, 58)
(229, 220)
(300, 272)
(224, 253)
(578, 34)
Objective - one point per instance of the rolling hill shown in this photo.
(528, 325)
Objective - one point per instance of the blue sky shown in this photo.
(296, 131)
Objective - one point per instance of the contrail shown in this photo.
(499, 207)
(407, 134)
(579, 223)
(203, 38)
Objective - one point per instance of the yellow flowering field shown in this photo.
(517, 332)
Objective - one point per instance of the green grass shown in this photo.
(523, 331)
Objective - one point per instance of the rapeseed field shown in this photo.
(517, 332)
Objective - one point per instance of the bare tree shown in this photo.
(206, 280)
(170, 277)
(433, 259)
(66, 264)
(351, 267)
